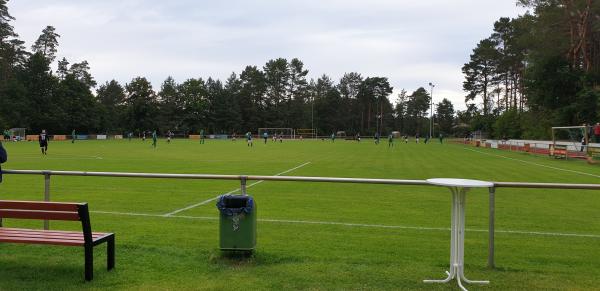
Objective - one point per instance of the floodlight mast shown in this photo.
(431, 112)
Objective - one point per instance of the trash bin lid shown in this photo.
(235, 204)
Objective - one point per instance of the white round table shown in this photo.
(459, 188)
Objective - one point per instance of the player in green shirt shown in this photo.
(202, 136)
(154, 139)
(73, 136)
(441, 138)
(333, 137)
(390, 140)
(249, 139)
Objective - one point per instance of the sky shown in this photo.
(411, 42)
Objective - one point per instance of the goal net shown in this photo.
(17, 134)
(569, 141)
(286, 133)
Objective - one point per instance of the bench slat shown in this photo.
(38, 205)
(78, 236)
(41, 237)
(39, 214)
(7, 230)
(61, 242)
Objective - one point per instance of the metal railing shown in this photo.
(244, 178)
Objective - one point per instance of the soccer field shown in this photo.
(316, 236)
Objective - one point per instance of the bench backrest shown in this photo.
(48, 211)
(40, 210)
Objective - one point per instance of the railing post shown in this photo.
(491, 227)
(243, 185)
(46, 196)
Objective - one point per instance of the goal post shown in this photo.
(284, 132)
(569, 141)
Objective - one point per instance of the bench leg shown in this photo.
(110, 253)
(89, 262)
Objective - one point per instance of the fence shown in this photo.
(244, 178)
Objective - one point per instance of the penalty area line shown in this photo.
(521, 232)
(230, 192)
(535, 164)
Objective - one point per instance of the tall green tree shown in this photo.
(141, 105)
(47, 43)
(445, 116)
(416, 108)
(480, 72)
(111, 96)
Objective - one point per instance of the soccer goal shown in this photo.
(306, 132)
(17, 134)
(286, 133)
(569, 141)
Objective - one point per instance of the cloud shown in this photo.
(410, 42)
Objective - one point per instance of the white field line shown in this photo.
(52, 156)
(231, 192)
(535, 233)
(535, 164)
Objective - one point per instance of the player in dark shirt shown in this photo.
(3, 158)
(43, 140)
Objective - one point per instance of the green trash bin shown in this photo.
(237, 223)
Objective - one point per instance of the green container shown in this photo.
(237, 223)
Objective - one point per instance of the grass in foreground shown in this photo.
(385, 237)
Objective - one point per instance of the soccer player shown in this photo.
(390, 140)
(265, 136)
(3, 158)
(280, 137)
(73, 136)
(406, 138)
(169, 136)
(144, 136)
(274, 137)
(417, 138)
(233, 137)
(43, 140)
(377, 138)
(202, 136)
(249, 139)
(129, 135)
(358, 137)
(332, 137)
(441, 138)
(154, 137)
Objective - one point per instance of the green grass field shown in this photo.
(315, 236)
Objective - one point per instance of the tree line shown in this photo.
(538, 70)
(278, 94)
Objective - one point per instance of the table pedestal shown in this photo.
(457, 241)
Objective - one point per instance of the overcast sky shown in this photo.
(412, 42)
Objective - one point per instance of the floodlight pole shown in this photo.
(431, 112)
(312, 115)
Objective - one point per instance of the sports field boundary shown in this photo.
(363, 225)
(533, 163)
(230, 192)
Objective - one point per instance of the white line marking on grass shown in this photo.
(59, 157)
(536, 233)
(231, 192)
(535, 164)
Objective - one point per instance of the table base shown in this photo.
(457, 241)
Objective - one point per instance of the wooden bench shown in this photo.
(594, 152)
(558, 151)
(56, 211)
